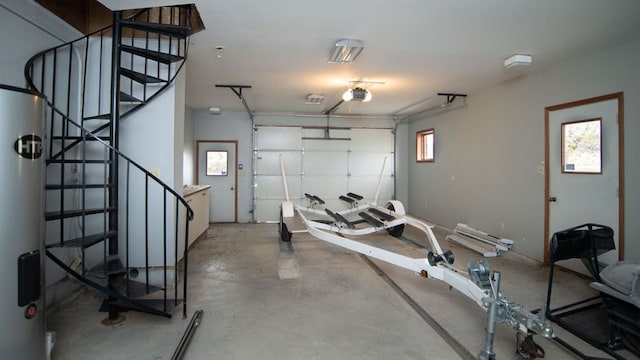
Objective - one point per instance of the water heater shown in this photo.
(22, 300)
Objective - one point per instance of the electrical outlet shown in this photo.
(540, 169)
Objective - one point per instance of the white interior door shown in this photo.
(589, 196)
(217, 163)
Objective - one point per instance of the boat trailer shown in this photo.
(480, 283)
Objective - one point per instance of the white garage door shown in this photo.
(350, 162)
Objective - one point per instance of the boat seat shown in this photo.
(622, 281)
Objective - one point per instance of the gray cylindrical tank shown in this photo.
(22, 300)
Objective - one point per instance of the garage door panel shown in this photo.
(324, 163)
(268, 162)
(279, 138)
(271, 187)
(316, 139)
(267, 210)
(326, 187)
(369, 164)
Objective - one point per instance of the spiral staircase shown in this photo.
(111, 223)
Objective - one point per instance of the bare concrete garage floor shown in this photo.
(265, 300)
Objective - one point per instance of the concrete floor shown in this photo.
(263, 299)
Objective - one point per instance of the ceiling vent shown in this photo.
(517, 60)
(314, 99)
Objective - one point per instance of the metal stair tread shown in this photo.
(56, 215)
(151, 54)
(136, 289)
(79, 138)
(85, 242)
(143, 305)
(77, 186)
(181, 31)
(78, 161)
(98, 117)
(113, 266)
(124, 97)
(140, 77)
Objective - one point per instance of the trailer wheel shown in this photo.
(285, 234)
(397, 230)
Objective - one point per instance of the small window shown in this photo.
(217, 164)
(582, 147)
(424, 145)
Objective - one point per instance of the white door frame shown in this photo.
(235, 185)
(547, 110)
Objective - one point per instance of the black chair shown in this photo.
(585, 318)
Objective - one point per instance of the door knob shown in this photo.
(552, 199)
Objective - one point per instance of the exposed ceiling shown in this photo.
(418, 48)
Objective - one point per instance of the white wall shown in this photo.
(231, 125)
(487, 152)
(178, 129)
(188, 159)
(153, 137)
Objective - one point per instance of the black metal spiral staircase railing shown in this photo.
(96, 195)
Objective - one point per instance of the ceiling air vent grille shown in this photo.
(314, 99)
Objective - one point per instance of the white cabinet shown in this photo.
(198, 199)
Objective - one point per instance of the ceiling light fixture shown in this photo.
(517, 60)
(345, 51)
(357, 94)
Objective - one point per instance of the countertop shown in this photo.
(192, 189)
